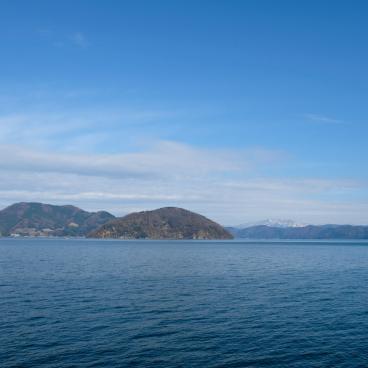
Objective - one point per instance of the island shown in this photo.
(163, 223)
(40, 219)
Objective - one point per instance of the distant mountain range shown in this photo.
(304, 232)
(163, 223)
(271, 223)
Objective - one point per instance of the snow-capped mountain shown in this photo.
(272, 223)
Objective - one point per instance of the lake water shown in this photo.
(89, 303)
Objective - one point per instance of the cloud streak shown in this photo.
(161, 159)
(85, 158)
(323, 119)
(76, 130)
(79, 39)
(222, 185)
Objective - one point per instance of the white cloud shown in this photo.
(323, 119)
(162, 159)
(74, 130)
(79, 39)
(222, 185)
(62, 39)
(53, 158)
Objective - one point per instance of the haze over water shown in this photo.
(89, 303)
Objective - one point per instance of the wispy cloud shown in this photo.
(79, 39)
(160, 160)
(76, 130)
(220, 184)
(62, 39)
(323, 119)
(114, 158)
(223, 200)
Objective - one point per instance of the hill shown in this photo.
(305, 232)
(163, 223)
(37, 219)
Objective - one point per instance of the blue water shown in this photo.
(87, 303)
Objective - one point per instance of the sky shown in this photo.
(240, 110)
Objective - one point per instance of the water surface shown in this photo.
(89, 303)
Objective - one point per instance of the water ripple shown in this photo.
(87, 303)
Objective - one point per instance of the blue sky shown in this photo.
(240, 110)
